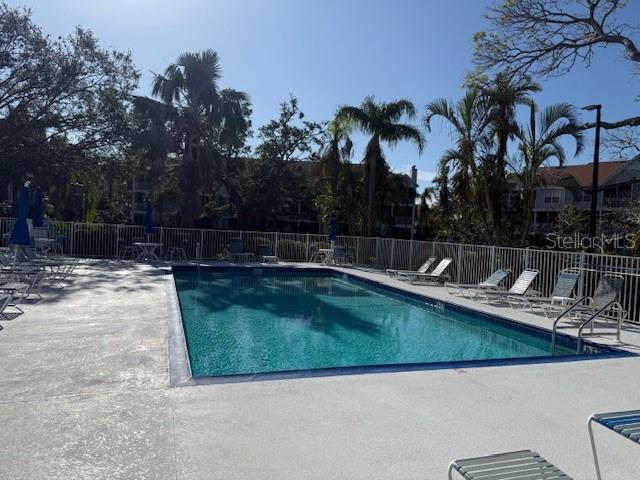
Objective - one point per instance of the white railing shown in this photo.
(472, 263)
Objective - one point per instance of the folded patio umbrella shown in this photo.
(37, 209)
(20, 233)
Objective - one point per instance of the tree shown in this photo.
(380, 120)
(63, 102)
(503, 95)
(469, 120)
(548, 37)
(539, 143)
(335, 169)
(274, 183)
(196, 120)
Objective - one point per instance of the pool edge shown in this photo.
(180, 365)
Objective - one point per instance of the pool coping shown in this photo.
(180, 373)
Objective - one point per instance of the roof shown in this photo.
(581, 175)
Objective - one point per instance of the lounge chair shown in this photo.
(342, 255)
(236, 251)
(24, 284)
(520, 287)
(265, 253)
(626, 424)
(6, 300)
(403, 275)
(560, 297)
(586, 310)
(436, 275)
(492, 282)
(520, 465)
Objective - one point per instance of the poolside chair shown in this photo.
(179, 251)
(435, 276)
(342, 255)
(6, 301)
(403, 275)
(520, 287)
(587, 310)
(559, 298)
(492, 282)
(265, 253)
(25, 284)
(236, 251)
(626, 424)
(520, 465)
(124, 250)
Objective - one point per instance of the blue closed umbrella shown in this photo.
(332, 227)
(37, 209)
(148, 220)
(20, 233)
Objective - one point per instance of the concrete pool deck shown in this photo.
(84, 393)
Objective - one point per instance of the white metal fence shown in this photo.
(471, 263)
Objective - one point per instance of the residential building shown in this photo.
(618, 188)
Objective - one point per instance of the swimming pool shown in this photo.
(248, 321)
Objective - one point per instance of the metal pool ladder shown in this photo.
(613, 306)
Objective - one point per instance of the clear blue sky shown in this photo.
(331, 52)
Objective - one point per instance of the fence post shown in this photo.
(526, 258)
(459, 269)
(393, 252)
(306, 257)
(583, 276)
(357, 260)
(275, 250)
(72, 240)
(411, 254)
(494, 265)
(377, 246)
(201, 246)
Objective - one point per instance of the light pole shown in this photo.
(414, 179)
(594, 184)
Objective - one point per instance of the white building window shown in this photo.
(552, 196)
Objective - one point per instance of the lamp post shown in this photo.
(594, 184)
(414, 179)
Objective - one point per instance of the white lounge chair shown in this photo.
(436, 275)
(560, 297)
(519, 288)
(403, 275)
(520, 465)
(492, 283)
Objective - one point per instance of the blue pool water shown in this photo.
(246, 321)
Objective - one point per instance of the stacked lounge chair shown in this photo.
(404, 275)
(435, 276)
(519, 289)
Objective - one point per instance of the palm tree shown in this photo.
(380, 120)
(201, 118)
(469, 120)
(503, 95)
(336, 154)
(539, 143)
